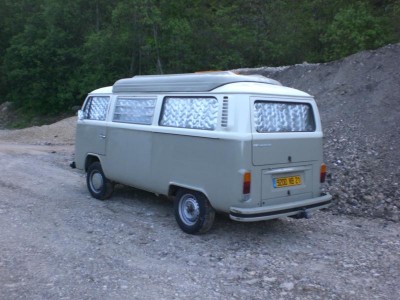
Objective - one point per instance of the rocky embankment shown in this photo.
(359, 102)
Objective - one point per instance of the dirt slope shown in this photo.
(60, 133)
(359, 102)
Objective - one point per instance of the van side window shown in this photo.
(135, 110)
(190, 112)
(283, 117)
(96, 108)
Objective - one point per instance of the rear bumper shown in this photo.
(278, 211)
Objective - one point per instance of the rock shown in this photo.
(288, 286)
(269, 279)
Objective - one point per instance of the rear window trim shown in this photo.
(314, 123)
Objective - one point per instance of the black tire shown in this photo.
(193, 212)
(98, 185)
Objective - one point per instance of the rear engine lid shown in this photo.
(270, 150)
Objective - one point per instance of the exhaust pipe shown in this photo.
(304, 214)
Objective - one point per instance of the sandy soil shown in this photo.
(60, 133)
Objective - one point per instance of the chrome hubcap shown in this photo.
(96, 181)
(189, 209)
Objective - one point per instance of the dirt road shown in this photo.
(58, 243)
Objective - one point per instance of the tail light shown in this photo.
(246, 183)
(323, 173)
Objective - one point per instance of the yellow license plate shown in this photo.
(287, 181)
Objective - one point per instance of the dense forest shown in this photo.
(53, 52)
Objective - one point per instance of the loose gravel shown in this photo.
(56, 242)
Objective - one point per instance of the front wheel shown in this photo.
(193, 212)
(98, 185)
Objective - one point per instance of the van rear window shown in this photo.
(190, 112)
(283, 117)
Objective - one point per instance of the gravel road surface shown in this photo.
(56, 242)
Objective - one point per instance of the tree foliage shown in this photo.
(53, 52)
(353, 29)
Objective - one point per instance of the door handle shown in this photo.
(102, 136)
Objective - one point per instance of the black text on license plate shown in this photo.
(286, 181)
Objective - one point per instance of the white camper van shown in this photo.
(214, 142)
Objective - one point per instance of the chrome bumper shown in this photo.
(281, 210)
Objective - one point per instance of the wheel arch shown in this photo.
(91, 158)
(174, 187)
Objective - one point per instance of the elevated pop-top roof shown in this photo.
(191, 82)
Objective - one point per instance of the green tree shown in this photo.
(353, 29)
(14, 15)
(53, 52)
(41, 61)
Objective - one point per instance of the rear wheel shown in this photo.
(193, 212)
(98, 185)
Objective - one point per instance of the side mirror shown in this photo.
(81, 115)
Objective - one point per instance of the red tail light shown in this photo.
(246, 182)
(323, 173)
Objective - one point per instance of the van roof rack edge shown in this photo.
(190, 82)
